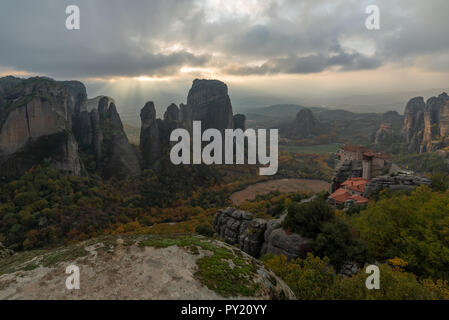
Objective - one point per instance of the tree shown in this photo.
(306, 218)
(440, 182)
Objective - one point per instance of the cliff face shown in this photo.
(117, 157)
(42, 119)
(211, 104)
(426, 125)
(34, 126)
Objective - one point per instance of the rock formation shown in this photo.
(426, 125)
(34, 126)
(42, 119)
(207, 101)
(394, 182)
(119, 158)
(131, 268)
(304, 126)
(389, 129)
(150, 144)
(258, 237)
(211, 104)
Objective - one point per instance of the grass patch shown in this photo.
(54, 258)
(30, 260)
(21, 261)
(226, 271)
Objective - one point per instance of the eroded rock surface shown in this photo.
(426, 124)
(394, 182)
(258, 237)
(130, 268)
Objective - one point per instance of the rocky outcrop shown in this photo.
(207, 101)
(304, 126)
(186, 117)
(46, 120)
(119, 158)
(347, 169)
(413, 128)
(239, 227)
(426, 125)
(35, 126)
(150, 144)
(389, 129)
(436, 124)
(258, 237)
(211, 104)
(394, 182)
(137, 268)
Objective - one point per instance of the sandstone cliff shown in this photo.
(42, 119)
(426, 125)
(35, 125)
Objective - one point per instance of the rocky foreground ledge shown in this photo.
(141, 267)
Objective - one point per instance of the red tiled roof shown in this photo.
(355, 184)
(359, 199)
(341, 196)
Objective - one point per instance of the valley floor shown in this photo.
(281, 185)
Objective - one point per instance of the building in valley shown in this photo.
(356, 166)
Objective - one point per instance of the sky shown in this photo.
(312, 52)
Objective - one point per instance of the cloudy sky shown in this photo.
(267, 51)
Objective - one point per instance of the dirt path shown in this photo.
(282, 185)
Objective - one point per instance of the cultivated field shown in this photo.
(282, 185)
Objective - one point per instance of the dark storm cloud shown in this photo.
(158, 37)
(308, 64)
